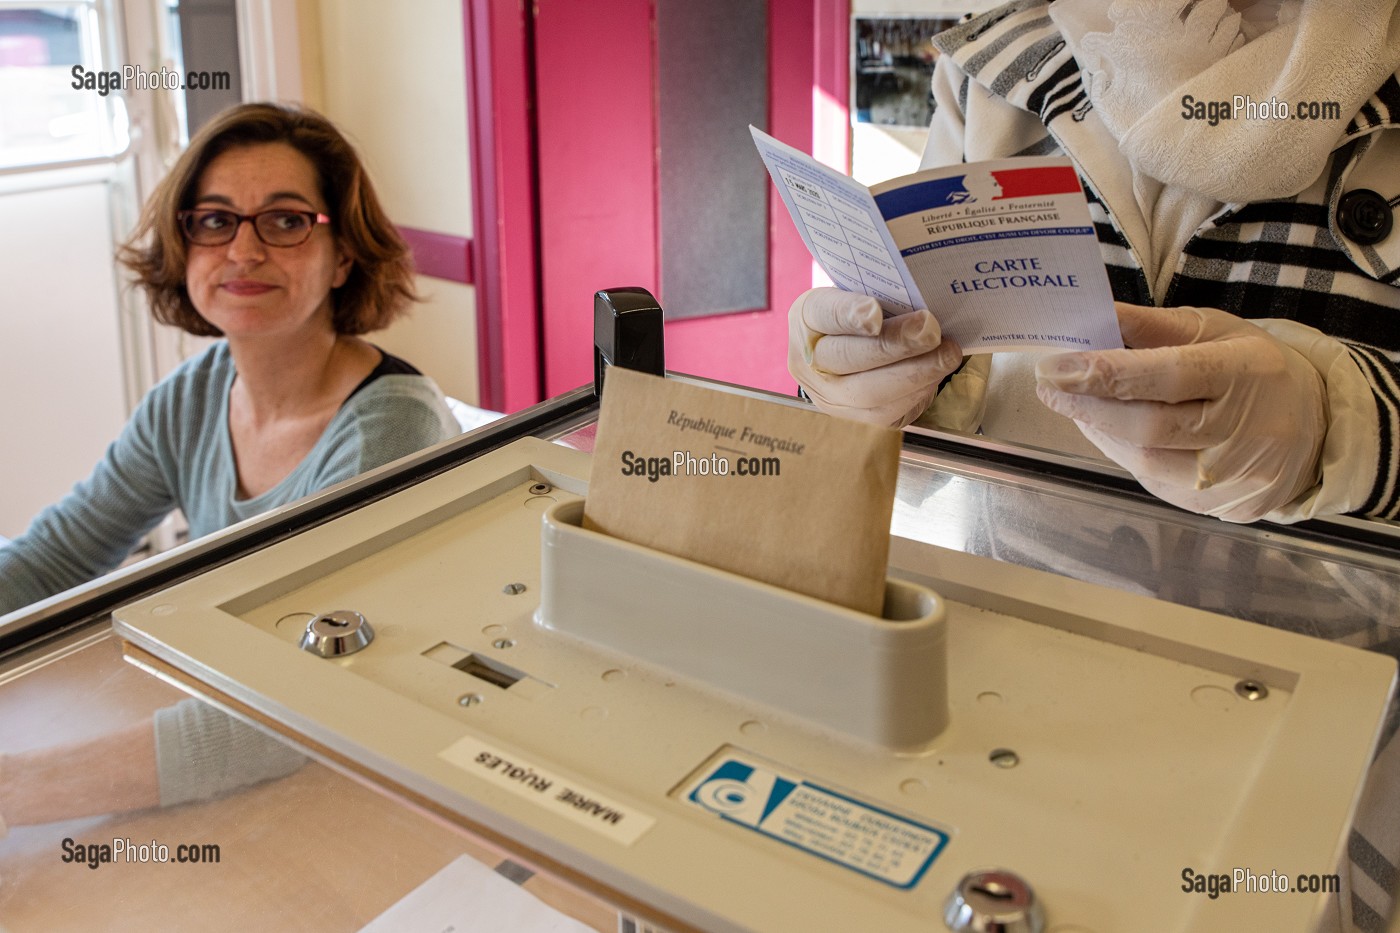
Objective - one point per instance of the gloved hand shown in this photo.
(1207, 410)
(855, 363)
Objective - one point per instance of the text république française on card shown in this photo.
(1003, 253)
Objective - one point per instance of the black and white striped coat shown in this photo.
(1007, 84)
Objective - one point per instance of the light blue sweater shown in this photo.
(175, 452)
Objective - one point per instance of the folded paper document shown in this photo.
(776, 493)
(1003, 253)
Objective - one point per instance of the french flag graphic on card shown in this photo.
(1003, 253)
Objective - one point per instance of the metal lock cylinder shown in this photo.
(337, 633)
(993, 901)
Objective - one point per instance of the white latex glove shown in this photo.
(1208, 411)
(855, 363)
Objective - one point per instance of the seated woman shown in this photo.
(266, 233)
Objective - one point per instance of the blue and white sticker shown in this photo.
(830, 825)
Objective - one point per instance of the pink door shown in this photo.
(636, 169)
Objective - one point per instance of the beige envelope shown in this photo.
(783, 495)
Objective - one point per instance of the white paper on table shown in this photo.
(1004, 253)
(468, 896)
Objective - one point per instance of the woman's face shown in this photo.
(250, 290)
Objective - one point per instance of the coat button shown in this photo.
(1364, 217)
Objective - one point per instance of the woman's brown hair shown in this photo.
(380, 285)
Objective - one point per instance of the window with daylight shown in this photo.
(58, 102)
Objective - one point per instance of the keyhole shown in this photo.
(993, 890)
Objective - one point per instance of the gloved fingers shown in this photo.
(1156, 374)
(834, 311)
(893, 412)
(1158, 468)
(899, 338)
(899, 379)
(1190, 425)
(1209, 411)
(853, 362)
(1192, 479)
(1146, 327)
(894, 394)
(1165, 374)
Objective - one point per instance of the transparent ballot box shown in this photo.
(1078, 702)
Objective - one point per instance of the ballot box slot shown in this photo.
(477, 665)
(491, 672)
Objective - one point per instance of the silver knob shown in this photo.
(337, 633)
(993, 901)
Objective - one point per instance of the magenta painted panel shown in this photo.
(595, 85)
(440, 255)
(504, 245)
(597, 190)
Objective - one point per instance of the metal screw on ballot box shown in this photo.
(993, 901)
(337, 633)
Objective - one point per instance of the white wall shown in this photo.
(396, 84)
(60, 345)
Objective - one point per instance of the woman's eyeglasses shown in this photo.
(211, 227)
